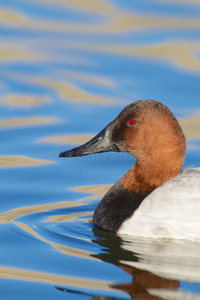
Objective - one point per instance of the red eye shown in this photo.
(132, 121)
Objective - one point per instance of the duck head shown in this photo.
(148, 130)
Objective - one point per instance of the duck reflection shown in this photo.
(144, 283)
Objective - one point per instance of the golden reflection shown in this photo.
(21, 161)
(181, 53)
(94, 6)
(191, 126)
(9, 53)
(123, 21)
(66, 139)
(93, 79)
(191, 2)
(13, 214)
(10, 17)
(97, 191)
(117, 21)
(28, 101)
(27, 121)
(63, 218)
(27, 275)
(61, 248)
(72, 92)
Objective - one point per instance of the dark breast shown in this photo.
(116, 206)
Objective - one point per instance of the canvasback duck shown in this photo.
(154, 199)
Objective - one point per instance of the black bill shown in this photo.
(102, 142)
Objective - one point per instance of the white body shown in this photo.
(170, 211)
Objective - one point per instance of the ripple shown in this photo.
(66, 139)
(27, 101)
(73, 93)
(27, 121)
(21, 161)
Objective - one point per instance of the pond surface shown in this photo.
(67, 68)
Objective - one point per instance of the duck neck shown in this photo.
(148, 174)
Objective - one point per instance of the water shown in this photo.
(67, 68)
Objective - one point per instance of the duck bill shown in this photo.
(102, 142)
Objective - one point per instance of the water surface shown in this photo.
(67, 68)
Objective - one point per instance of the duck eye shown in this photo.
(132, 122)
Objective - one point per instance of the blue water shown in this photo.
(68, 68)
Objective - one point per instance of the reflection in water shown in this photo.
(11, 215)
(117, 21)
(153, 267)
(144, 284)
(142, 281)
(76, 252)
(72, 92)
(20, 274)
(94, 6)
(15, 52)
(182, 54)
(93, 79)
(27, 101)
(88, 52)
(191, 126)
(27, 121)
(98, 190)
(66, 139)
(21, 161)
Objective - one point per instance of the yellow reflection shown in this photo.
(25, 100)
(191, 2)
(61, 248)
(9, 17)
(27, 121)
(123, 21)
(13, 52)
(181, 53)
(13, 214)
(98, 190)
(117, 21)
(191, 126)
(64, 218)
(27, 275)
(93, 79)
(72, 92)
(21, 161)
(94, 6)
(67, 139)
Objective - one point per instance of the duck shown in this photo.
(155, 198)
